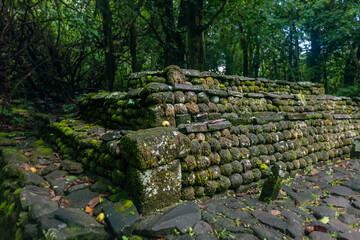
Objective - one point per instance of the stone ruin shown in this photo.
(180, 134)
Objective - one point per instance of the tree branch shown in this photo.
(211, 21)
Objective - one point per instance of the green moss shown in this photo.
(19, 234)
(3, 206)
(121, 207)
(17, 192)
(74, 229)
(3, 134)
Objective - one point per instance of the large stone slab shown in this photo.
(270, 220)
(74, 217)
(121, 217)
(154, 147)
(181, 217)
(155, 188)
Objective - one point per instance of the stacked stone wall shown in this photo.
(236, 128)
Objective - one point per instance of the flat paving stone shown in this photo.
(246, 237)
(340, 191)
(300, 197)
(55, 174)
(263, 232)
(349, 236)
(80, 198)
(340, 226)
(43, 207)
(336, 201)
(354, 184)
(31, 194)
(74, 217)
(121, 216)
(206, 237)
(295, 229)
(270, 220)
(223, 223)
(322, 211)
(202, 228)
(347, 219)
(316, 235)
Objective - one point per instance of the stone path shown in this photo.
(324, 203)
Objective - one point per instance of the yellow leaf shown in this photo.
(100, 217)
(32, 169)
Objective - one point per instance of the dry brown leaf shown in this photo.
(275, 212)
(89, 210)
(314, 172)
(202, 206)
(57, 164)
(26, 167)
(40, 167)
(52, 193)
(95, 201)
(27, 154)
(64, 202)
(57, 198)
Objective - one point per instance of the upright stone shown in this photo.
(272, 184)
(355, 151)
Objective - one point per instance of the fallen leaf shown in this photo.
(320, 229)
(26, 167)
(324, 220)
(32, 169)
(275, 212)
(100, 217)
(40, 167)
(314, 172)
(309, 229)
(316, 187)
(95, 201)
(52, 193)
(89, 209)
(57, 198)
(64, 202)
(202, 206)
(28, 154)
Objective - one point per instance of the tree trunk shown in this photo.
(109, 74)
(314, 57)
(245, 50)
(133, 44)
(356, 60)
(196, 46)
(296, 54)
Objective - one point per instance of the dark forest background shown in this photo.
(55, 48)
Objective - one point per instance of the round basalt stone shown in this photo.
(189, 163)
(229, 107)
(203, 162)
(266, 128)
(262, 150)
(206, 148)
(255, 162)
(212, 107)
(270, 149)
(316, 146)
(192, 136)
(199, 192)
(215, 145)
(235, 140)
(314, 157)
(190, 97)
(302, 162)
(311, 148)
(308, 160)
(200, 137)
(293, 133)
(280, 136)
(214, 172)
(225, 142)
(296, 164)
(346, 150)
(201, 177)
(289, 166)
(180, 108)
(211, 187)
(278, 156)
(226, 169)
(235, 130)
(287, 134)
(257, 174)
(236, 180)
(246, 164)
(261, 139)
(215, 158)
(244, 141)
(179, 97)
(331, 154)
(286, 157)
(258, 129)
(192, 108)
(188, 178)
(299, 153)
(281, 164)
(223, 184)
(244, 130)
(225, 133)
(220, 108)
(216, 134)
(251, 128)
(297, 143)
(232, 100)
(253, 139)
(248, 176)
(203, 98)
(274, 137)
(279, 148)
(203, 108)
(290, 144)
(268, 137)
(299, 133)
(195, 148)
(187, 193)
(225, 156)
(244, 153)
(236, 109)
(325, 155)
(215, 99)
(235, 153)
(254, 151)
(265, 159)
(293, 155)
(272, 127)
(237, 167)
(279, 126)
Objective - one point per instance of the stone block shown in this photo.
(154, 147)
(185, 88)
(355, 150)
(155, 188)
(219, 125)
(183, 119)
